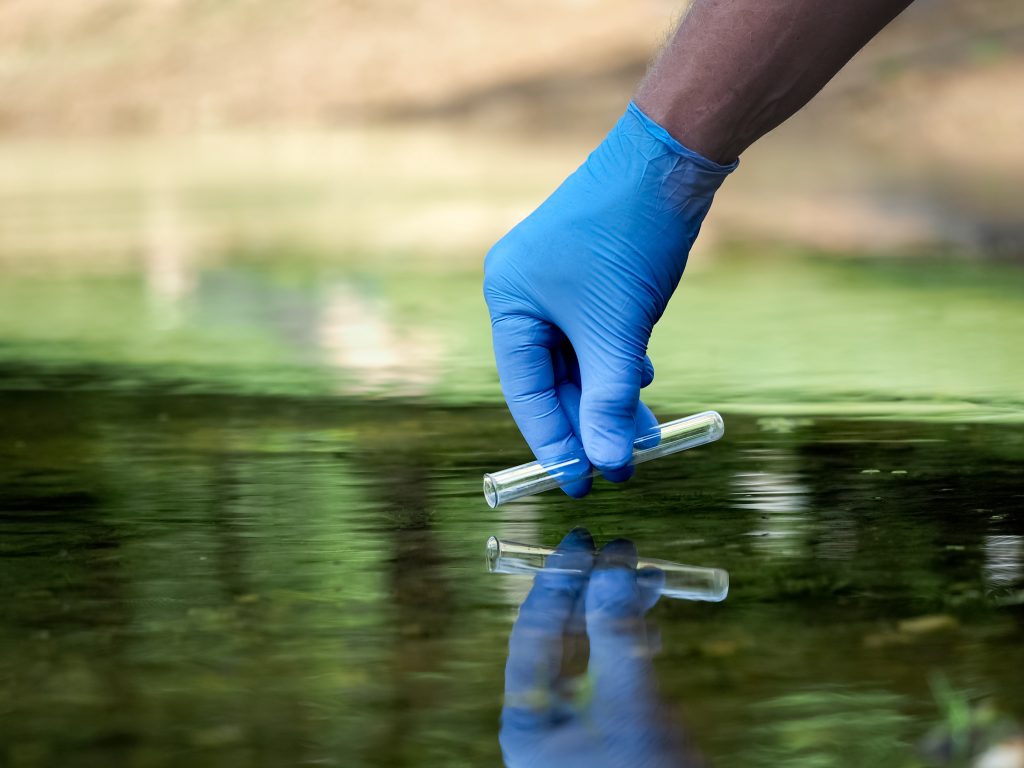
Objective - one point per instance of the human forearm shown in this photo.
(736, 69)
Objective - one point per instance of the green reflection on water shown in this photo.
(222, 579)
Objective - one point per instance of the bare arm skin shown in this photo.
(736, 69)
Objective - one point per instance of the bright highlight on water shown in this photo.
(535, 477)
(682, 582)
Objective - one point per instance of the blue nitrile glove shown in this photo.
(621, 723)
(575, 290)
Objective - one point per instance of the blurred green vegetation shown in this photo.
(766, 332)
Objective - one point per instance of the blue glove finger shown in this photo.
(569, 394)
(523, 349)
(608, 408)
(567, 374)
(645, 420)
(647, 376)
(569, 398)
(647, 432)
(624, 695)
(535, 646)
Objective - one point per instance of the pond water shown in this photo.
(241, 522)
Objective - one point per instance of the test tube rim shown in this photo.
(493, 553)
(490, 491)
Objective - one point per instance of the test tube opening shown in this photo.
(491, 497)
(493, 553)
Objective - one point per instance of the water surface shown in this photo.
(227, 579)
(241, 520)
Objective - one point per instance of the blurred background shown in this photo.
(247, 390)
(300, 195)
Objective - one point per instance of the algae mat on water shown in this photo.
(915, 338)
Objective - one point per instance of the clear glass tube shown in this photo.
(682, 582)
(535, 477)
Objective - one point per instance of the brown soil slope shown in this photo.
(74, 66)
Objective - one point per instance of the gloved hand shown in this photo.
(575, 290)
(622, 723)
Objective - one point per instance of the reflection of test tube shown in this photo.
(682, 582)
(535, 477)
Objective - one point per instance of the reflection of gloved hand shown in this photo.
(575, 290)
(621, 724)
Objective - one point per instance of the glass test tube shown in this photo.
(534, 477)
(682, 582)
